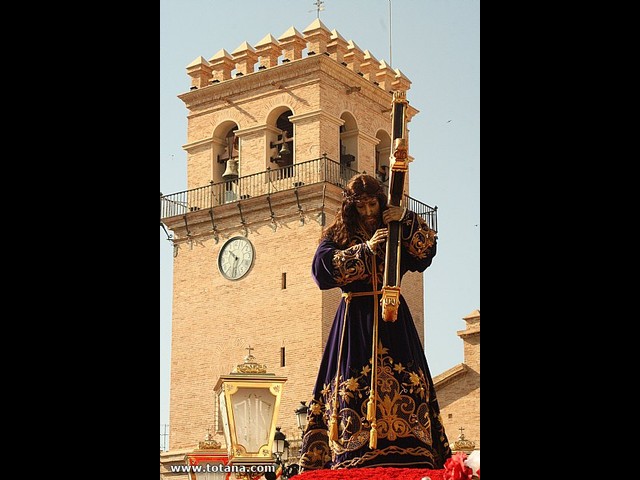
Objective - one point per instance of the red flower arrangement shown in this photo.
(455, 468)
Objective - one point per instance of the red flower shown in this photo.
(455, 469)
(478, 472)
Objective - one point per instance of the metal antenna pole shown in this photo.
(390, 58)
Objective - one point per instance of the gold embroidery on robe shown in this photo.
(418, 452)
(353, 264)
(398, 414)
(317, 440)
(317, 453)
(422, 239)
(349, 265)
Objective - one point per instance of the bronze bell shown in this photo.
(284, 150)
(231, 172)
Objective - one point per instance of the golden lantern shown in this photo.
(208, 461)
(249, 400)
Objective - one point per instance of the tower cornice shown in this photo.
(282, 77)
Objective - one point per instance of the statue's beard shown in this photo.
(371, 223)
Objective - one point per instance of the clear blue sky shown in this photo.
(436, 44)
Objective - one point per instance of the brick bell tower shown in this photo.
(274, 132)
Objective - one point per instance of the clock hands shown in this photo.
(234, 268)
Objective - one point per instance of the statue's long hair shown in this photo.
(344, 226)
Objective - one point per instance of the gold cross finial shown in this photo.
(250, 365)
(463, 445)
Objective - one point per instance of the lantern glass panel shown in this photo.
(225, 419)
(253, 410)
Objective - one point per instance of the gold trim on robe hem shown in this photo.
(391, 450)
(402, 400)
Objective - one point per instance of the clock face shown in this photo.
(236, 258)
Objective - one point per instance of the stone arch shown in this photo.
(225, 154)
(280, 138)
(275, 111)
(348, 141)
(271, 108)
(383, 150)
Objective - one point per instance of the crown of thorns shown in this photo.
(353, 196)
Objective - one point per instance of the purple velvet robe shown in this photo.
(409, 428)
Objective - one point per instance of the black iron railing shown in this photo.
(270, 181)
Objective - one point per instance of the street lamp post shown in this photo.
(301, 415)
(281, 446)
(281, 452)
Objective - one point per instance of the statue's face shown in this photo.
(369, 210)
